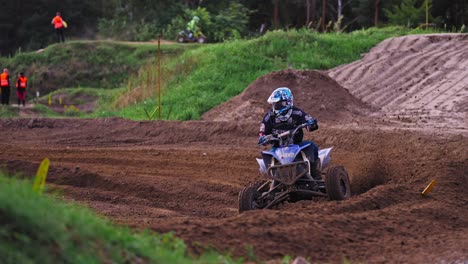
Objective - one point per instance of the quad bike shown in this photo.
(289, 176)
(186, 36)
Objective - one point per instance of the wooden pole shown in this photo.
(159, 76)
(427, 14)
(376, 13)
(324, 10)
(276, 15)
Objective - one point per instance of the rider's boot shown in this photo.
(316, 172)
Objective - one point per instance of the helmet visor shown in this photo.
(280, 105)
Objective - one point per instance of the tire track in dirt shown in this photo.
(414, 91)
(419, 79)
(409, 65)
(413, 71)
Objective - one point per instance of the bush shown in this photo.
(230, 23)
(126, 29)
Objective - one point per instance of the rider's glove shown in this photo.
(262, 140)
(312, 125)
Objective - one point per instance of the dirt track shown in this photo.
(185, 177)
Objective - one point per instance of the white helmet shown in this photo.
(282, 101)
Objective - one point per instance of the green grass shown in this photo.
(98, 64)
(42, 229)
(212, 74)
(8, 111)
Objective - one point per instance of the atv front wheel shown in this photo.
(180, 39)
(337, 184)
(248, 197)
(201, 40)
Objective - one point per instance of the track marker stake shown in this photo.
(151, 115)
(41, 176)
(428, 187)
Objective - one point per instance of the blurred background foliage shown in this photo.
(25, 24)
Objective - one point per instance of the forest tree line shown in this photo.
(25, 24)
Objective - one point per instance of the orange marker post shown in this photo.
(428, 187)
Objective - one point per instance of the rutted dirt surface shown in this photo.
(185, 177)
(418, 78)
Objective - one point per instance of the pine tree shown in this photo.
(408, 13)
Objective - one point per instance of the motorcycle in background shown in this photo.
(185, 36)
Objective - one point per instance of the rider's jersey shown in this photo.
(192, 25)
(271, 124)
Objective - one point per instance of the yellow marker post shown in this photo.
(41, 176)
(49, 100)
(151, 115)
(428, 187)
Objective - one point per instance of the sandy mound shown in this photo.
(313, 91)
(420, 78)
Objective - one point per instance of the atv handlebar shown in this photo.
(279, 137)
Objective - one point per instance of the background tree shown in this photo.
(376, 12)
(409, 13)
(25, 24)
(452, 14)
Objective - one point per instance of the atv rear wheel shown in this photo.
(248, 197)
(201, 40)
(180, 39)
(337, 184)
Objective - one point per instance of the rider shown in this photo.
(192, 26)
(283, 117)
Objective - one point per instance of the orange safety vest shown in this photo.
(4, 80)
(22, 82)
(57, 22)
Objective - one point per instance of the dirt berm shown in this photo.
(313, 91)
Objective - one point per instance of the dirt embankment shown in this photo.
(418, 78)
(313, 91)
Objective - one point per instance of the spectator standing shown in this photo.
(21, 85)
(5, 86)
(59, 25)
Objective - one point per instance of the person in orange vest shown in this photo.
(58, 23)
(21, 85)
(5, 86)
